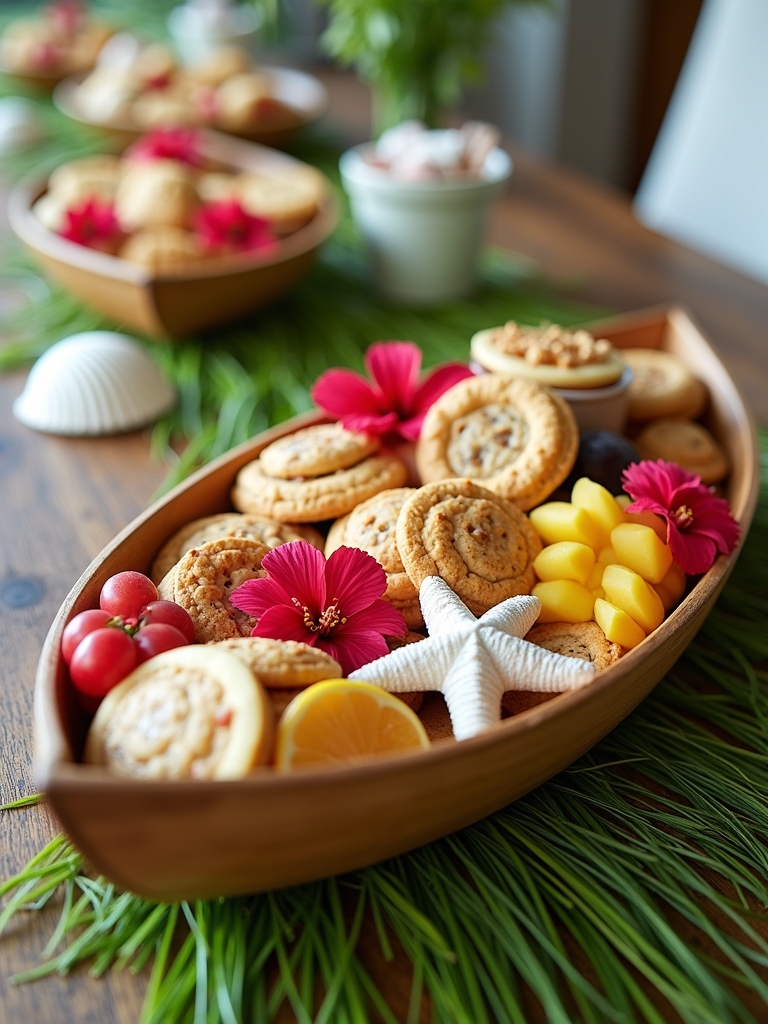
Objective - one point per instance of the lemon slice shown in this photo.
(339, 720)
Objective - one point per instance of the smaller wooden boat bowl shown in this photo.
(169, 840)
(206, 295)
(305, 98)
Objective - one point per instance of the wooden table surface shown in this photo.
(62, 500)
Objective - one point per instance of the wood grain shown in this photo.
(62, 500)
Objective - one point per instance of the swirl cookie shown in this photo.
(584, 640)
(688, 444)
(191, 713)
(316, 451)
(662, 386)
(510, 435)
(482, 546)
(282, 664)
(317, 498)
(371, 527)
(228, 524)
(203, 580)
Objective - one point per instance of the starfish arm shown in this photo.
(473, 689)
(515, 616)
(525, 666)
(443, 611)
(421, 666)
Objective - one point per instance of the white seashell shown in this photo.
(93, 383)
(19, 124)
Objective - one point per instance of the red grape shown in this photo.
(79, 627)
(101, 660)
(126, 594)
(156, 638)
(172, 614)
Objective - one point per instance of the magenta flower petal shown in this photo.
(299, 568)
(693, 552)
(341, 393)
(333, 604)
(354, 579)
(353, 649)
(437, 383)
(181, 144)
(284, 622)
(381, 616)
(378, 425)
(698, 523)
(394, 366)
(254, 597)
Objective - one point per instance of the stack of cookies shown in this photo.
(316, 474)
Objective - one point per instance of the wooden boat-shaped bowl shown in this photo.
(206, 295)
(304, 96)
(169, 840)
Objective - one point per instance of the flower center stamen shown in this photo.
(682, 517)
(328, 620)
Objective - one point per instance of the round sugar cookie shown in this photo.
(228, 524)
(480, 544)
(282, 664)
(316, 498)
(584, 640)
(190, 713)
(316, 451)
(371, 526)
(511, 435)
(203, 580)
(662, 385)
(688, 444)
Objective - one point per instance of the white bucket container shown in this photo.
(424, 238)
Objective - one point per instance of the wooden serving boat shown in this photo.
(172, 840)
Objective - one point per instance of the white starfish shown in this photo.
(472, 661)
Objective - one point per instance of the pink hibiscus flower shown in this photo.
(335, 604)
(181, 144)
(67, 17)
(92, 223)
(394, 402)
(699, 525)
(226, 227)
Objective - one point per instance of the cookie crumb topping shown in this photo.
(550, 346)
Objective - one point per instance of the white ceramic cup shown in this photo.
(423, 237)
(196, 38)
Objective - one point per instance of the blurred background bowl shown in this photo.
(208, 294)
(304, 96)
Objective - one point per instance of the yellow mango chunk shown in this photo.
(622, 500)
(606, 556)
(672, 587)
(595, 578)
(633, 595)
(639, 548)
(599, 502)
(617, 625)
(598, 592)
(564, 601)
(560, 520)
(565, 560)
(655, 522)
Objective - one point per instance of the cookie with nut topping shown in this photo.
(551, 355)
(508, 434)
